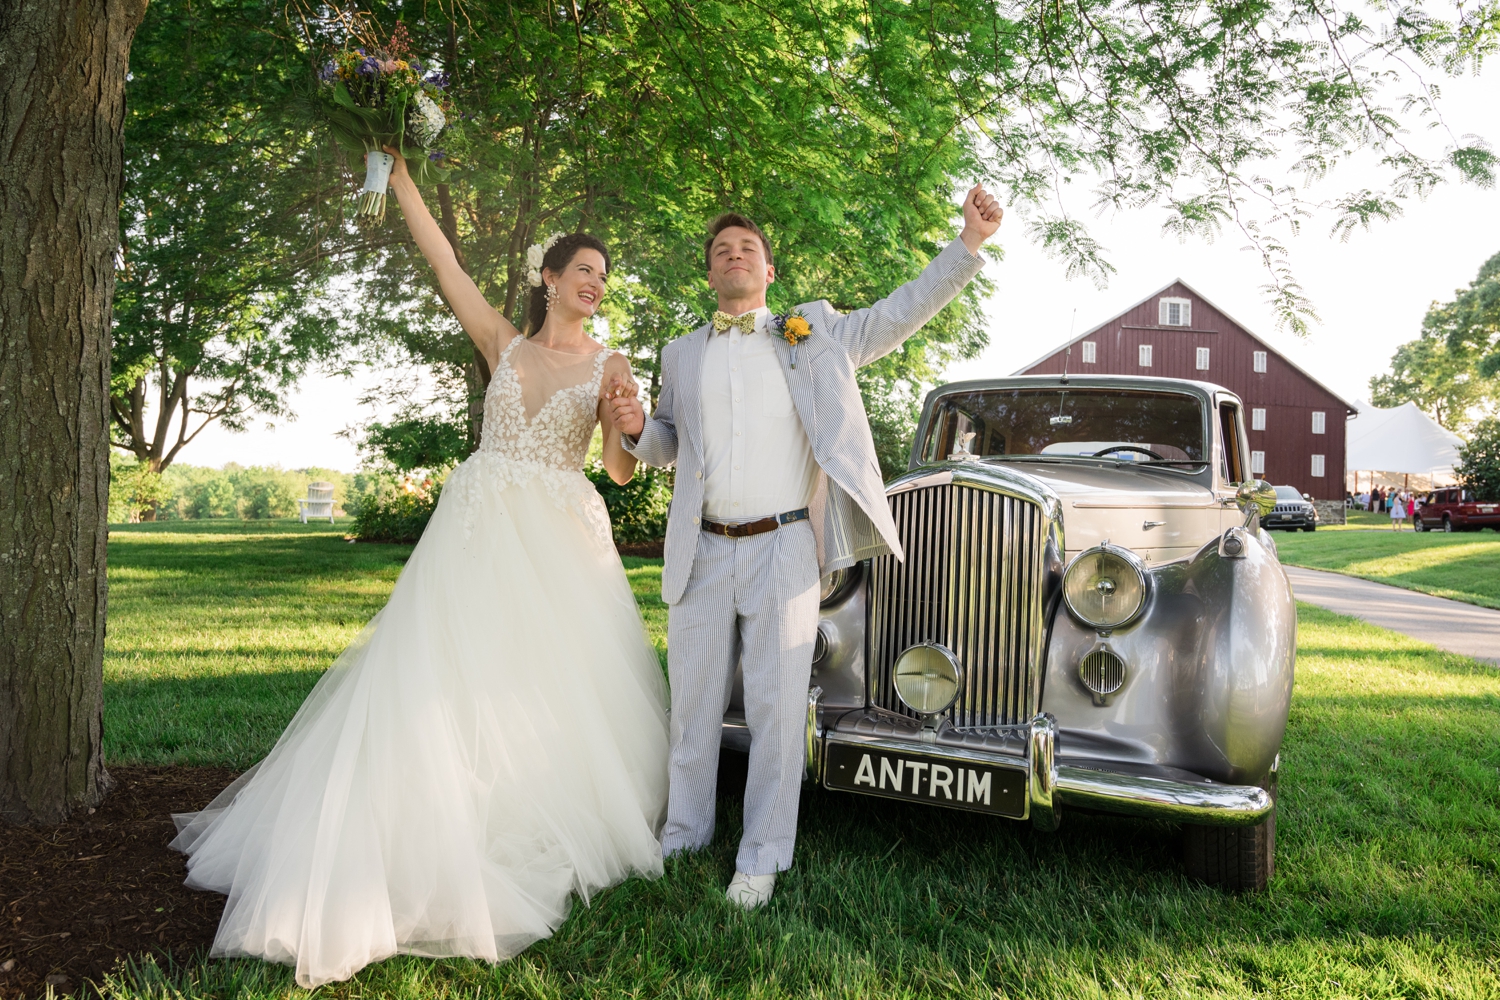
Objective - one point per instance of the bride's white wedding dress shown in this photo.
(493, 742)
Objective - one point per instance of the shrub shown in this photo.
(1478, 465)
(211, 496)
(637, 510)
(393, 508)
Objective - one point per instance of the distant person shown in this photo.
(1398, 511)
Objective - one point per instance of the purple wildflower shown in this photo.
(437, 78)
(328, 72)
(370, 67)
(436, 156)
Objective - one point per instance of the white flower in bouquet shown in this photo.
(429, 121)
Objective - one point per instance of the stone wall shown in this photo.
(1330, 511)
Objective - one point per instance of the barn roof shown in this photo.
(1350, 408)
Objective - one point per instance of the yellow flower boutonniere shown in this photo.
(793, 328)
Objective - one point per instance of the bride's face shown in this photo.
(580, 284)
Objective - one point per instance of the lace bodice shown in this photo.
(557, 433)
(539, 416)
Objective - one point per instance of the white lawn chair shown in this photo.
(319, 502)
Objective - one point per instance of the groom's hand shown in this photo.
(627, 414)
(982, 215)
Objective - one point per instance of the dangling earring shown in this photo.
(551, 296)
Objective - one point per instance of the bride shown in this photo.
(495, 740)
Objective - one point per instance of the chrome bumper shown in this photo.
(1051, 786)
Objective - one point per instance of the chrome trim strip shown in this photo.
(1145, 504)
(1041, 766)
(814, 738)
(1136, 795)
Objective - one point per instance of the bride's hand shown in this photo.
(398, 170)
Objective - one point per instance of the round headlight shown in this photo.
(1105, 587)
(927, 678)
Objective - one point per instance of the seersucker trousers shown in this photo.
(751, 601)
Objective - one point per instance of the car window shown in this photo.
(1287, 493)
(1126, 425)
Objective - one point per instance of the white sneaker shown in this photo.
(750, 891)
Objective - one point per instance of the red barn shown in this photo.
(1296, 423)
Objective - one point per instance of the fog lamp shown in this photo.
(1105, 588)
(927, 678)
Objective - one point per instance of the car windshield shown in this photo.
(1287, 493)
(1067, 424)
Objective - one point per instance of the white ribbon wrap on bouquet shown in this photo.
(378, 171)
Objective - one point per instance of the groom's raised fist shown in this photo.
(982, 215)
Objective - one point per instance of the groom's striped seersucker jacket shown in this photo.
(850, 517)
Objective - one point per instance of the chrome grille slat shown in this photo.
(970, 582)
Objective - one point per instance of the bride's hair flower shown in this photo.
(535, 254)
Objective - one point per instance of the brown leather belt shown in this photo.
(747, 528)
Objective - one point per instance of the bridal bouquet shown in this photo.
(377, 96)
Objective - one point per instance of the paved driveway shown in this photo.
(1452, 626)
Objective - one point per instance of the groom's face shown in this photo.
(737, 265)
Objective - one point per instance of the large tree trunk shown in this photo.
(62, 110)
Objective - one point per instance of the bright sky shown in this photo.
(1370, 292)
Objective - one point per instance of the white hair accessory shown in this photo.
(535, 254)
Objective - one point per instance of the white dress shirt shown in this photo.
(757, 460)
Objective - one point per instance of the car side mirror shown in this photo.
(1307, 496)
(1256, 498)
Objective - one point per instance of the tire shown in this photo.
(1418, 524)
(1447, 524)
(1233, 858)
(1309, 527)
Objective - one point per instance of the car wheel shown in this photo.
(1234, 858)
(1418, 524)
(1447, 524)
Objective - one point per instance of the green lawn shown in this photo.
(1464, 566)
(1388, 880)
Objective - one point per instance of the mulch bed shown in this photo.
(76, 898)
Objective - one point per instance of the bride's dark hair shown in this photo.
(557, 258)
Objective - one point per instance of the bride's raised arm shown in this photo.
(484, 324)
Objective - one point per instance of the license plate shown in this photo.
(930, 780)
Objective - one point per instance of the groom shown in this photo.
(777, 483)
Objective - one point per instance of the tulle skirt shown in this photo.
(494, 742)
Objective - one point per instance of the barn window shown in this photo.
(1089, 352)
(1175, 312)
(1145, 355)
(1260, 361)
(1317, 466)
(1258, 418)
(1319, 426)
(1203, 359)
(1257, 463)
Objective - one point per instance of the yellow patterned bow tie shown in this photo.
(723, 321)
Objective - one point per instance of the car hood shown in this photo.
(1159, 514)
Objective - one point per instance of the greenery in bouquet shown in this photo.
(380, 95)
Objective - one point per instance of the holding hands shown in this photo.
(625, 410)
(982, 215)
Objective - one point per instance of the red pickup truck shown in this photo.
(1454, 509)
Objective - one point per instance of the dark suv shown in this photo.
(1454, 509)
(1293, 510)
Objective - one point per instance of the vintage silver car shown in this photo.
(1088, 616)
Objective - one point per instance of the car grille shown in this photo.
(972, 580)
(1291, 508)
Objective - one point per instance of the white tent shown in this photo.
(1401, 439)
